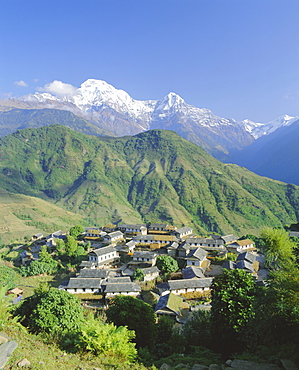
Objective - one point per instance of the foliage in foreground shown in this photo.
(51, 310)
(107, 340)
(136, 315)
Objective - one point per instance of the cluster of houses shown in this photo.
(105, 272)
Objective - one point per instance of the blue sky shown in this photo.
(238, 58)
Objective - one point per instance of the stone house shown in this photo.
(114, 237)
(104, 256)
(190, 285)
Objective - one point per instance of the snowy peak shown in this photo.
(260, 129)
(95, 98)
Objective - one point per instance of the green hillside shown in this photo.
(23, 215)
(153, 176)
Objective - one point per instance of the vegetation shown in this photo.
(153, 176)
(136, 315)
(75, 231)
(51, 310)
(104, 339)
(167, 264)
(138, 275)
(232, 307)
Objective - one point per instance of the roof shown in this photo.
(183, 230)
(153, 237)
(87, 264)
(190, 283)
(250, 257)
(173, 245)
(144, 254)
(93, 273)
(160, 226)
(229, 238)
(244, 242)
(229, 265)
(114, 234)
(104, 250)
(150, 270)
(192, 272)
(81, 283)
(171, 302)
(197, 253)
(245, 265)
(122, 287)
(121, 279)
(131, 226)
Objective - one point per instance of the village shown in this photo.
(116, 252)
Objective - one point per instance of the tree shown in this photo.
(136, 315)
(9, 278)
(167, 264)
(75, 231)
(138, 275)
(232, 307)
(278, 248)
(71, 246)
(51, 310)
(44, 255)
(107, 340)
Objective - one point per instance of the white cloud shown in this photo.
(21, 83)
(58, 89)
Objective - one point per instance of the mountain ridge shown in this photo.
(152, 176)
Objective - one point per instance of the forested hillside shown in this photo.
(153, 176)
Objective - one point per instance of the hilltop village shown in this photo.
(122, 258)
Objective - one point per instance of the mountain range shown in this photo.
(116, 113)
(274, 155)
(152, 176)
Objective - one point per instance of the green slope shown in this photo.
(153, 176)
(23, 215)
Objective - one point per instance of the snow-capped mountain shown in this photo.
(260, 129)
(115, 110)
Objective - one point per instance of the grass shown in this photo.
(47, 217)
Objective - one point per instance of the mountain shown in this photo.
(152, 176)
(115, 111)
(15, 119)
(274, 155)
(258, 130)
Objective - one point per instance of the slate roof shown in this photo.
(104, 250)
(131, 226)
(122, 287)
(154, 238)
(173, 245)
(121, 279)
(229, 265)
(189, 283)
(245, 265)
(197, 253)
(87, 264)
(250, 257)
(81, 283)
(192, 272)
(93, 273)
(144, 254)
(114, 234)
(150, 270)
(229, 238)
(183, 230)
(160, 226)
(169, 302)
